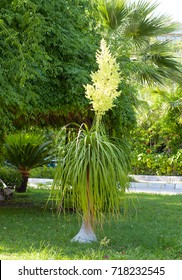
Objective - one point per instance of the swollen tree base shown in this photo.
(85, 235)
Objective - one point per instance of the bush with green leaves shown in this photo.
(11, 177)
(148, 163)
(157, 140)
(43, 172)
(47, 48)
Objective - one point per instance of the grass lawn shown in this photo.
(152, 229)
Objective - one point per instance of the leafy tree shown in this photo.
(25, 152)
(46, 54)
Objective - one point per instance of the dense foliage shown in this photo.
(43, 172)
(11, 177)
(47, 51)
(134, 30)
(157, 141)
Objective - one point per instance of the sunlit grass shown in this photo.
(151, 229)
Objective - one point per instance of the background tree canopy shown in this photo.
(47, 51)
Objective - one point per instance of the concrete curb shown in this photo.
(162, 179)
(156, 184)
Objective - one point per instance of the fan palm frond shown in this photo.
(134, 30)
(143, 14)
(159, 53)
(112, 13)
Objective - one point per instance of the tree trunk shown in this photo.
(86, 234)
(23, 186)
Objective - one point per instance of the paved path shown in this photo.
(171, 185)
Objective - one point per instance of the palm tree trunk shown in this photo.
(23, 186)
(86, 234)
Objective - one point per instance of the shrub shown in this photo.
(25, 151)
(11, 177)
(157, 164)
(43, 172)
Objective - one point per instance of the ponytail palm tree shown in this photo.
(24, 152)
(95, 166)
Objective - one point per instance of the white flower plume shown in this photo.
(105, 81)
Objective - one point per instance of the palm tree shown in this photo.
(24, 152)
(96, 168)
(133, 30)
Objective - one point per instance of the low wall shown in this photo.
(162, 179)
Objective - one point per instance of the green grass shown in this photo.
(152, 229)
